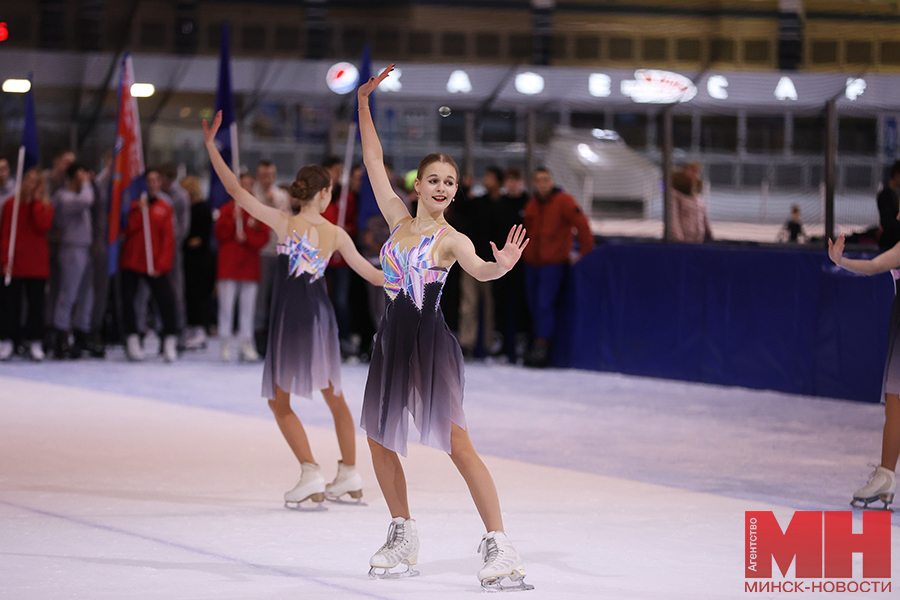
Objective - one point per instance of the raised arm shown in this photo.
(272, 217)
(462, 250)
(390, 205)
(356, 261)
(882, 263)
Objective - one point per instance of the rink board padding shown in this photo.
(785, 320)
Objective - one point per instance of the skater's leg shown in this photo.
(391, 479)
(343, 425)
(478, 478)
(890, 442)
(290, 426)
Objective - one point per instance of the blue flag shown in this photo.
(366, 205)
(226, 138)
(29, 133)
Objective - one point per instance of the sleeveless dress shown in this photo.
(417, 364)
(303, 352)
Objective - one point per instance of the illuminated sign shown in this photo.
(342, 78)
(785, 89)
(658, 87)
(856, 87)
(605, 134)
(717, 87)
(459, 83)
(16, 86)
(392, 82)
(142, 90)
(600, 85)
(529, 83)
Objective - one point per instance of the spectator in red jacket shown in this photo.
(240, 237)
(30, 266)
(149, 260)
(550, 216)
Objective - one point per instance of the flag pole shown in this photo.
(148, 245)
(345, 175)
(20, 169)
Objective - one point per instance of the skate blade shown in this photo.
(380, 573)
(317, 506)
(495, 584)
(855, 503)
(356, 498)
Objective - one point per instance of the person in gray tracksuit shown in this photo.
(72, 206)
(181, 205)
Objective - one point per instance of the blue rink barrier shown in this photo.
(786, 320)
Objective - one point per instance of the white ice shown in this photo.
(122, 480)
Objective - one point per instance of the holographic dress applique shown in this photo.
(411, 269)
(303, 257)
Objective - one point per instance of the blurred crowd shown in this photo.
(184, 272)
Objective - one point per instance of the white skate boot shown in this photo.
(347, 481)
(248, 352)
(170, 348)
(225, 349)
(133, 349)
(880, 487)
(402, 545)
(501, 560)
(6, 349)
(36, 351)
(310, 487)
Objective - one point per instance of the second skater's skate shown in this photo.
(880, 487)
(346, 482)
(402, 545)
(501, 561)
(310, 487)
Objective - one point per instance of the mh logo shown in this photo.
(822, 543)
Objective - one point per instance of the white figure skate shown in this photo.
(881, 486)
(133, 349)
(225, 349)
(402, 545)
(347, 481)
(170, 348)
(6, 349)
(36, 351)
(501, 560)
(248, 352)
(310, 487)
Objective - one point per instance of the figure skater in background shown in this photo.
(303, 352)
(881, 484)
(417, 364)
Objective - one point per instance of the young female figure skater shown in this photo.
(882, 483)
(416, 362)
(303, 352)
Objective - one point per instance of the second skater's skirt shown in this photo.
(416, 369)
(303, 354)
(891, 382)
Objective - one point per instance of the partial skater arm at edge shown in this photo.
(356, 261)
(882, 263)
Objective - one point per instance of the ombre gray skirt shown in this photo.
(416, 370)
(891, 382)
(303, 353)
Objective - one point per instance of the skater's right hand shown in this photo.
(836, 250)
(209, 132)
(369, 86)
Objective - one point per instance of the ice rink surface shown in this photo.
(123, 480)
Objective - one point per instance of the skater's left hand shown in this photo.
(209, 132)
(512, 250)
(836, 250)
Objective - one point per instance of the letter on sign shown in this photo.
(785, 89)
(459, 82)
(717, 87)
(855, 88)
(600, 85)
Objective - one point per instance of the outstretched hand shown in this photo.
(209, 132)
(836, 250)
(512, 250)
(369, 86)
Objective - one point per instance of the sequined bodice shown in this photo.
(303, 257)
(409, 270)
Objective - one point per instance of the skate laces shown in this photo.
(489, 548)
(395, 533)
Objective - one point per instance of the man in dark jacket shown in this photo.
(550, 217)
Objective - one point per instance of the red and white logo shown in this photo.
(342, 78)
(658, 87)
